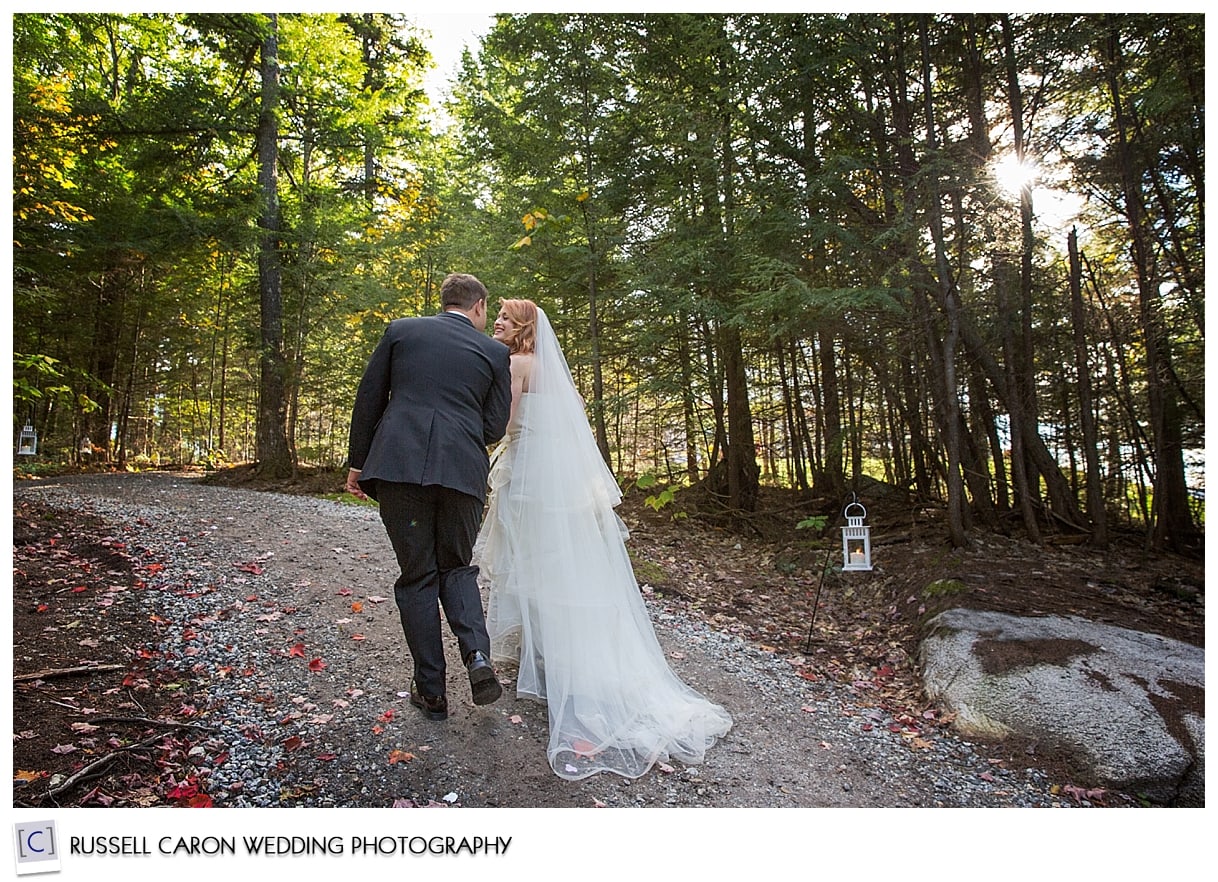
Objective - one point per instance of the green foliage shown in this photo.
(944, 588)
(647, 572)
(348, 499)
(725, 216)
(813, 522)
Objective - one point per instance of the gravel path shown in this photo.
(270, 582)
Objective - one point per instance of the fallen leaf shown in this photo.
(64, 748)
(357, 607)
(23, 775)
(399, 756)
(317, 665)
(345, 592)
(358, 637)
(515, 718)
(292, 742)
(297, 651)
(377, 599)
(584, 748)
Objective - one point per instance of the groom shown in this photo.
(436, 393)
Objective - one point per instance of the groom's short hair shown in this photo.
(462, 291)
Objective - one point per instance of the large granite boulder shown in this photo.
(1127, 707)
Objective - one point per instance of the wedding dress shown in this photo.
(564, 604)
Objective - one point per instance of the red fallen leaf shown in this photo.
(316, 665)
(377, 730)
(250, 568)
(201, 800)
(399, 756)
(345, 592)
(251, 598)
(357, 637)
(42, 607)
(357, 607)
(297, 651)
(80, 588)
(586, 749)
(292, 742)
(184, 790)
(327, 757)
(986, 776)
(387, 716)
(154, 567)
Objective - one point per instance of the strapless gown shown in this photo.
(566, 611)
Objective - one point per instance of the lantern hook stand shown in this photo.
(816, 601)
(820, 583)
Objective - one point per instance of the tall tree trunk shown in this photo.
(743, 474)
(1022, 475)
(793, 415)
(271, 450)
(1173, 524)
(1091, 453)
(833, 474)
(950, 301)
(1025, 364)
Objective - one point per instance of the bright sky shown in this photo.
(450, 34)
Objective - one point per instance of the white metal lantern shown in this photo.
(856, 539)
(27, 441)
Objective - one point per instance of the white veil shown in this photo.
(564, 602)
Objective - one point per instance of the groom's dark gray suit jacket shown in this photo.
(436, 393)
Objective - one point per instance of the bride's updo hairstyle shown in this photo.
(523, 314)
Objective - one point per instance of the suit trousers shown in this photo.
(432, 530)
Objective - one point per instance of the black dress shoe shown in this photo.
(436, 707)
(482, 680)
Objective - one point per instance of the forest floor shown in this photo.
(777, 587)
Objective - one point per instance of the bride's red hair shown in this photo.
(523, 314)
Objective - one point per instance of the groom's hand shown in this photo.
(352, 485)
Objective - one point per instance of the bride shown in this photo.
(564, 604)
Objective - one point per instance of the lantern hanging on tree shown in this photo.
(856, 538)
(27, 441)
